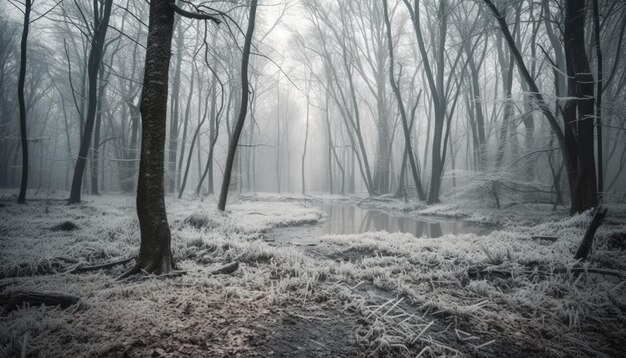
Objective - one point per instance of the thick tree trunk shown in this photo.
(580, 108)
(155, 255)
(232, 148)
(20, 97)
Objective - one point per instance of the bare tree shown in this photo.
(20, 95)
(576, 139)
(232, 148)
(155, 253)
(101, 16)
(403, 116)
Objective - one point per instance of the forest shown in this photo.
(312, 178)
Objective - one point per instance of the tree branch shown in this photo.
(194, 15)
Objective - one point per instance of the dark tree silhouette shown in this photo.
(102, 14)
(232, 148)
(20, 97)
(155, 253)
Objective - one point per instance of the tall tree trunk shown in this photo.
(329, 142)
(20, 97)
(567, 152)
(183, 144)
(598, 103)
(580, 106)
(507, 65)
(437, 92)
(174, 112)
(155, 254)
(183, 183)
(213, 134)
(129, 179)
(101, 24)
(306, 140)
(278, 187)
(95, 151)
(242, 110)
(403, 116)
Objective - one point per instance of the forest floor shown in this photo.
(387, 294)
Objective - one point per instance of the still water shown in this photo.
(351, 219)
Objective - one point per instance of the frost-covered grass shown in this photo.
(195, 314)
(407, 296)
(534, 307)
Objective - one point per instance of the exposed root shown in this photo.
(587, 243)
(133, 271)
(221, 270)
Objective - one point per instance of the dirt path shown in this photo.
(308, 333)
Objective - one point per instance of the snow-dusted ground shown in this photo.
(493, 295)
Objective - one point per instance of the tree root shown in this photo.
(133, 271)
(586, 244)
(221, 270)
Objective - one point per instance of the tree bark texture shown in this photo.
(155, 251)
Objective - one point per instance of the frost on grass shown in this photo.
(254, 217)
(403, 296)
(530, 309)
(197, 314)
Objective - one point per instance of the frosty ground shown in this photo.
(351, 295)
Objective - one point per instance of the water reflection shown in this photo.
(348, 219)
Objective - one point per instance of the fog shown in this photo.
(336, 55)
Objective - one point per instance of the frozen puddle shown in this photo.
(344, 219)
